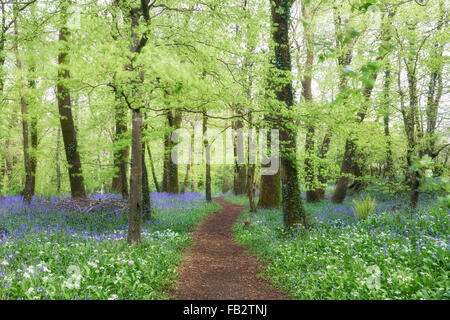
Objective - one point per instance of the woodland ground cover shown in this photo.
(56, 253)
(395, 254)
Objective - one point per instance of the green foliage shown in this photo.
(364, 207)
(438, 185)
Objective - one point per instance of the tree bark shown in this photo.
(34, 141)
(146, 205)
(170, 179)
(58, 168)
(270, 185)
(321, 177)
(136, 199)
(120, 181)
(293, 210)
(240, 171)
(435, 89)
(311, 185)
(251, 145)
(65, 111)
(207, 158)
(28, 190)
(152, 166)
(165, 179)
(389, 162)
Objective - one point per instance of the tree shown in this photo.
(293, 211)
(311, 193)
(120, 183)
(29, 189)
(207, 149)
(65, 112)
(349, 164)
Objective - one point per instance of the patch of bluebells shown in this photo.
(330, 261)
(39, 241)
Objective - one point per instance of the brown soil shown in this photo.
(217, 268)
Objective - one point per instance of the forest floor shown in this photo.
(218, 268)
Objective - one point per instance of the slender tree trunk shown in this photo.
(240, 175)
(251, 169)
(409, 125)
(344, 60)
(389, 164)
(170, 176)
(165, 179)
(152, 166)
(34, 142)
(435, 89)
(120, 181)
(58, 168)
(293, 211)
(270, 185)
(136, 201)
(9, 161)
(146, 205)
(311, 194)
(321, 177)
(28, 190)
(173, 184)
(207, 158)
(186, 178)
(413, 100)
(2, 174)
(65, 112)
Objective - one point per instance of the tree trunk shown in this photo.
(321, 177)
(135, 202)
(270, 185)
(435, 89)
(293, 211)
(120, 181)
(311, 185)
(34, 144)
(146, 205)
(240, 174)
(347, 165)
(58, 168)
(28, 190)
(165, 179)
(65, 112)
(173, 184)
(411, 124)
(389, 162)
(186, 178)
(207, 158)
(152, 166)
(251, 145)
(170, 179)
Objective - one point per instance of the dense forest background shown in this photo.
(358, 90)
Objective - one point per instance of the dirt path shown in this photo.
(217, 267)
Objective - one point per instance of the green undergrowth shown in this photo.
(393, 254)
(63, 255)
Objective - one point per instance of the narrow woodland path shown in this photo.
(217, 267)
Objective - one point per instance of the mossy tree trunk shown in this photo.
(293, 210)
